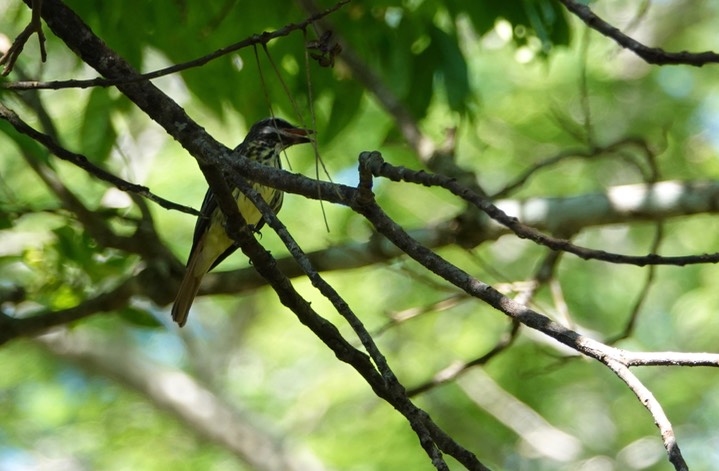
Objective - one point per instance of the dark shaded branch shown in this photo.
(11, 55)
(380, 168)
(327, 332)
(652, 55)
(37, 322)
(428, 432)
(253, 40)
(608, 356)
(84, 163)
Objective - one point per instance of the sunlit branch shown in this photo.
(519, 417)
(661, 420)
(668, 358)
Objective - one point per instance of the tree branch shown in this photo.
(652, 55)
(608, 356)
(623, 204)
(523, 231)
(201, 409)
(37, 322)
(253, 40)
(11, 55)
(431, 437)
(646, 397)
(84, 163)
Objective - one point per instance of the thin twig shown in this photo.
(607, 355)
(35, 26)
(543, 275)
(255, 39)
(379, 167)
(643, 292)
(592, 152)
(652, 55)
(661, 420)
(455, 370)
(394, 390)
(84, 163)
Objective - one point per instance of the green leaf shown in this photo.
(26, 144)
(547, 21)
(453, 69)
(348, 97)
(544, 18)
(6, 220)
(97, 134)
(139, 317)
(73, 245)
(419, 96)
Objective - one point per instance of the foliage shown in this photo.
(516, 82)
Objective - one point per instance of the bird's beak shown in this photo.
(297, 135)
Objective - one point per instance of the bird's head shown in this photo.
(276, 134)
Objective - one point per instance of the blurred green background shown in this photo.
(520, 82)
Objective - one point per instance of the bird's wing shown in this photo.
(209, 205)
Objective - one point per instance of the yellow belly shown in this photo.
(216, 241)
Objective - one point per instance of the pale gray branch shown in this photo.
(182, 396)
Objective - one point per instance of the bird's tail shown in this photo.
(188, 290)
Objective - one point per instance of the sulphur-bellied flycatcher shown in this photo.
(211, 244)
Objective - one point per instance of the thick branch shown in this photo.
(182, 396)
(628, 204)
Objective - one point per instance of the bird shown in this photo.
(264, 143)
